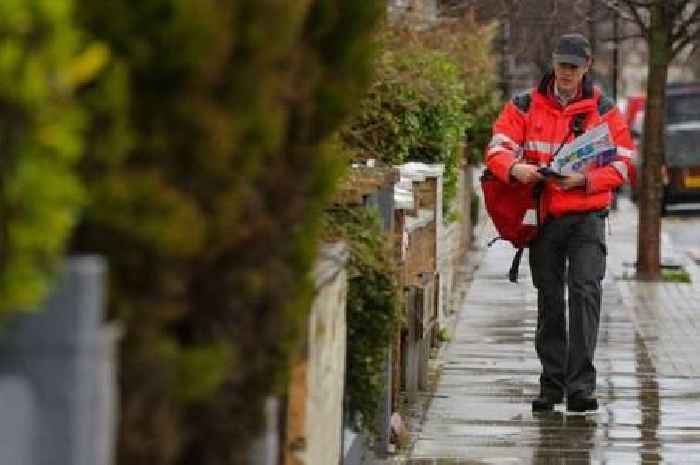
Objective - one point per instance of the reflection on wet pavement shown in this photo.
(481, 414)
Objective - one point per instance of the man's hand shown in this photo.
(572, 181)
(525, 173)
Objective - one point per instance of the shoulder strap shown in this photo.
(513, 272)
(605, 104)
(577, 124)
(523, 101)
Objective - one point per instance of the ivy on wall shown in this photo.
(373, 309)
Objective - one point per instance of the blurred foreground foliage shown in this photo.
(43, 59)
(208, 166)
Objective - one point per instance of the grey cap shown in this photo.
(572, 49)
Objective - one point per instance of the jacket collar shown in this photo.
(584, 103)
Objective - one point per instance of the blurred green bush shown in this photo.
(42, 60)
(208, 166)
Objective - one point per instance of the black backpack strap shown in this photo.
(605, 105)
(513, 273)
(578, 124)
(522, 101)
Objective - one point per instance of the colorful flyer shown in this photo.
(594, 146)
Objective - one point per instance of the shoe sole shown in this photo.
(544, 407)
(577, 409)
(539, 408)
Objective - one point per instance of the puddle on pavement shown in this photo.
(644, 418)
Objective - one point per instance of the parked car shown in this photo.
(681, 167)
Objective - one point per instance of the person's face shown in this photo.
(568, 76)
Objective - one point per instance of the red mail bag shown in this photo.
(507, 204)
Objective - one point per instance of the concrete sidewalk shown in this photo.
(648, 362)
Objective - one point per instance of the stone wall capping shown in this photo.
(362, 181)
(332, 258)
(418, 171)
(424, 217)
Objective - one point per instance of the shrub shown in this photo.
(470, 45)
(435, 91)
(413, 112)
(208, 168)
(42, 61)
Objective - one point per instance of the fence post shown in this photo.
(58, 375)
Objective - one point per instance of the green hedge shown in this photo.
(413, 112)
(470, 44)
(208, 166)
(434, 92)
(42, 61)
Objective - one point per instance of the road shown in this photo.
(682, 227)
(684, 230)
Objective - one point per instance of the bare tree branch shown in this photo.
(639, 4)
(676, 9)
(633, 7)
(623, 13)
(631, 20)
(623, 38)
(696, 47)
(682, 28)
(675, 50)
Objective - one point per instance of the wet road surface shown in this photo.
(684, 230)
(648, 361)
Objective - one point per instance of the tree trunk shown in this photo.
(651, 188)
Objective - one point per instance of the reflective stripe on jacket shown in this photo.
(532, 126)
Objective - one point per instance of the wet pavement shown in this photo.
(648, 361)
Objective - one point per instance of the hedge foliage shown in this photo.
(470, 45)
(434, 91)
(413, 112)
(208, 167)
(43, 59)
(373, 309)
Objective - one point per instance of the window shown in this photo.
(683, 108)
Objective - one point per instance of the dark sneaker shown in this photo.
(582, 403)
(545, 403)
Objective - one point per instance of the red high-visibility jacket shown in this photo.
(533, 125)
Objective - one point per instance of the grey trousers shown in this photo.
(569, 251)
